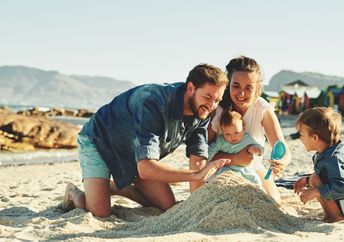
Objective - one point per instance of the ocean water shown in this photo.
(38, 157)
(73, 120)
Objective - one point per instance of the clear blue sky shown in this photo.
(160, 41)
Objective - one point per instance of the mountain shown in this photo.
(22, 85)
(313, 79)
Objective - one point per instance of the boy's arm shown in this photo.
(335, 188)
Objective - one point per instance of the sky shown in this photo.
(161, 41)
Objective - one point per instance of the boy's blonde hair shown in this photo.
(228, 117)
(324, 122)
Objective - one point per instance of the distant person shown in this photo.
(232, 140)
(126, 139)
(243, 96)
(320, 130)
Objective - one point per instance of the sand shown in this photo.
(226, 209)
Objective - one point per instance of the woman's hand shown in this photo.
(278, 166)
(210, 169)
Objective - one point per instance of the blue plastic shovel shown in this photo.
(278, 151)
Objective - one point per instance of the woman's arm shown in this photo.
(273, 133)
(243, 158)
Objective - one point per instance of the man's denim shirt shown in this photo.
(145, 122)
(329, 165)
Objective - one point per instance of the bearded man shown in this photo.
(126, 139)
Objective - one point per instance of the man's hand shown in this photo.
(299, 184)
(309, 194)
(210, 169)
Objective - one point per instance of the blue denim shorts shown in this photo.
(92, 164)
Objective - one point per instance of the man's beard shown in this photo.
(194, 109)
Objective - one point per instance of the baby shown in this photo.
(232, 140)
(319, 130)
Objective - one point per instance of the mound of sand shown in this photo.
(226, 203)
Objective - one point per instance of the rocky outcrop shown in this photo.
(20, 132)
(85, 113)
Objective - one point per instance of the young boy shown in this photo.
(232, 140)
(319, 131)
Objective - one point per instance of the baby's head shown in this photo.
(319, 123)
(232, 126)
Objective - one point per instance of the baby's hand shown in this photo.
(254, 150)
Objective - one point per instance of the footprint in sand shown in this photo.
(48, 189)
(4, 199)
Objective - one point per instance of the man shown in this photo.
(127, 137)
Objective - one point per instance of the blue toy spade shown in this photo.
(278, 151)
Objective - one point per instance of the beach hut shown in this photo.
(320, 101)
(332, 95)
(295, 94)
(272, 98)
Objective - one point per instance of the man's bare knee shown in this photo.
(99, 212)
(314, 181)
(97, 196)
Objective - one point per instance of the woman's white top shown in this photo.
(253, 125)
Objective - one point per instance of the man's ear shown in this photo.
(190, 88)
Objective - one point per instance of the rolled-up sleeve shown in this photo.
(148, 126)
(197, 144)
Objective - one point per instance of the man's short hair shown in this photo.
(324, 122)
(205, 73)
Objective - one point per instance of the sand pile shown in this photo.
(225, 203)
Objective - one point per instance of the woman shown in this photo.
(243, 96)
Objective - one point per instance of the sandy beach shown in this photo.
(226, 209)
